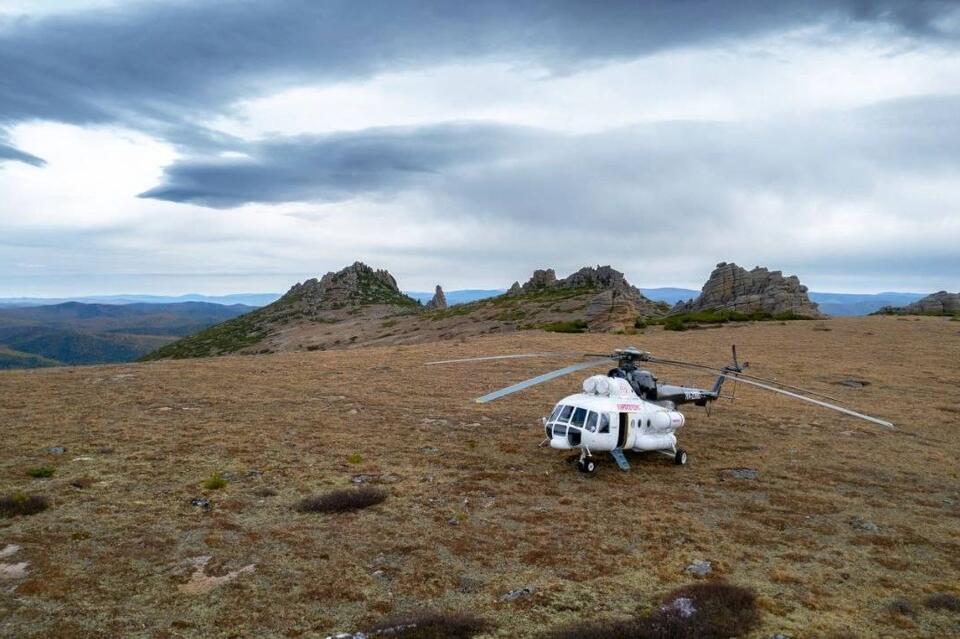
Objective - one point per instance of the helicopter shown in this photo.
(628, 409)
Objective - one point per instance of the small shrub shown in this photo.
(354, 458)
(21, 504)
(313, 347)
(431, 625)
(41, 471)
(575, 326)
(901, 606)
(82, 482)
(943, 601)
(341, 501)
(215, 482)
(640, 323)
(674, 324)
(700, 611)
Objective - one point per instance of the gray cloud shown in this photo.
(339, 166)
(514, 171)
(666, 193)
(8, 152)
(163, 67)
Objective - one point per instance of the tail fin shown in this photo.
(733, 367)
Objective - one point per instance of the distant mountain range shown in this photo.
(78, 333)
(247, 299)
(830, 303)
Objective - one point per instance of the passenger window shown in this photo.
(591, 423)
(578, 416)
(604, 423)
(565, 414)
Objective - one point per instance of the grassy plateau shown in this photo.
(302, 494)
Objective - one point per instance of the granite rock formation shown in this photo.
(940, 303)
(438, 302)
(612, 302)
(356, 284)
(734, 288)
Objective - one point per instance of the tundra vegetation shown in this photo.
(838, 520)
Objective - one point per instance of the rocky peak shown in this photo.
(542, 278)
(355, 284)
(516, 289)
(439, 300)
(599, 277)
(731, 287)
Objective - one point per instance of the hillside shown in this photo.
(359, 306)
(76, 333)
(834, 525)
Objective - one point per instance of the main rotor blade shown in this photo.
(493, 357)
(742, 376)
(533, 381)
(739, 378)
(846, 411)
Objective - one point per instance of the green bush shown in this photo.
(574, 326)
(674, 324)
(215, 482)
(41, 471)
(21, 504)
(355, 458)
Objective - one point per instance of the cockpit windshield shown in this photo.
(579, 415)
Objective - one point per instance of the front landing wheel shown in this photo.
(587, 465)
(680, 459)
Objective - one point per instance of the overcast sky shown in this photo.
(237, 146)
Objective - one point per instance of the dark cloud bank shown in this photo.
(163, 67)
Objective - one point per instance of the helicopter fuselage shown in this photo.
(608, 416)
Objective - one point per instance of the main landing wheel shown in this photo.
(587, 465)
(680, 459)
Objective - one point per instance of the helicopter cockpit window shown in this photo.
(604, 423)
(591, 423)
(579, 416)
(559, 430)
(565, 414)
(555, 413)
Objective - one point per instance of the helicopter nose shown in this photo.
(559, 442)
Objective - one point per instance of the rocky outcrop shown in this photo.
(438, 302)
(940, 303)
(542, 278)
(611, 301)
(356, 284)
(734, 288)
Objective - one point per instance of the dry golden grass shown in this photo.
(476, 510)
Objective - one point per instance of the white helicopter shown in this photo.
(627, 409)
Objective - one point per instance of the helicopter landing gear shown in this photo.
(586, 464)
(680, 458)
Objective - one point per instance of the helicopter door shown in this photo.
(622, 433)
